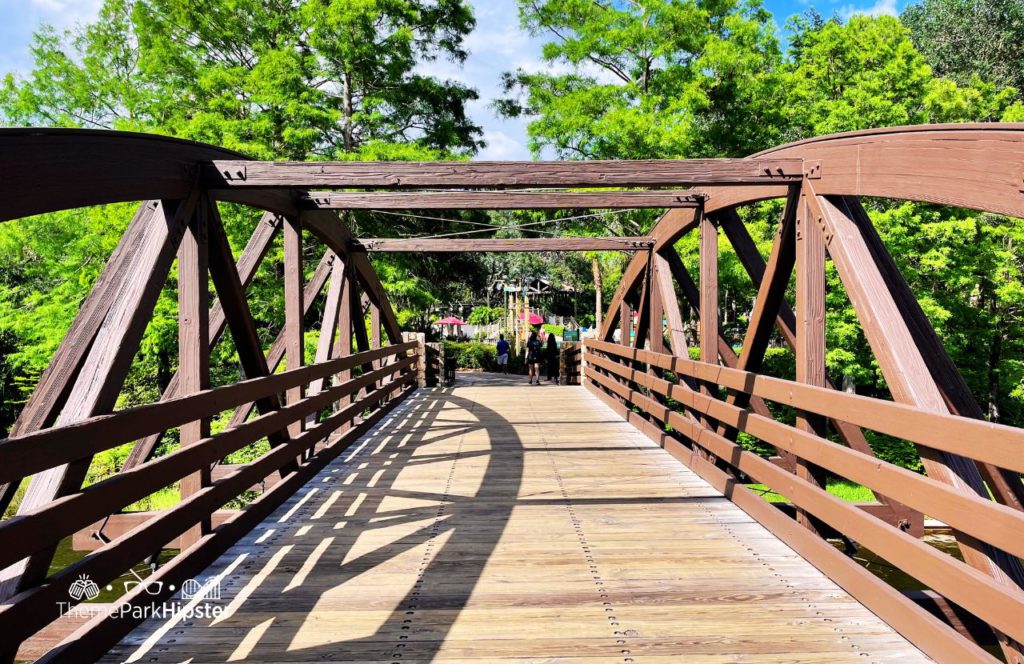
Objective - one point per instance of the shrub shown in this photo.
(477, 355)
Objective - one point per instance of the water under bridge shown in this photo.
(614, 519)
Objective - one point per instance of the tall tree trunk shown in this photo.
(598, 307)
(346, 91)
(995, 353)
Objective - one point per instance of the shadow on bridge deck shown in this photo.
(498, 521)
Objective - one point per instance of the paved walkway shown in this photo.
(497, 521)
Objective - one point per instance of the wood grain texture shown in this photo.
(495, 522)
(499, 200)
(997, 603)
(194, 345)
(810, 337)
(294, 310)
(922, 628)
(257, 247)
(103, 371)
(529, 244)
(510, 174)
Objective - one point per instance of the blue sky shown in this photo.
(498, 44)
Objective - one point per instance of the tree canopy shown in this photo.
(338, 79)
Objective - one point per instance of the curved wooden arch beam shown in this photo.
(56, 169)
(672, 226)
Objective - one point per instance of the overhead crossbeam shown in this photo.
(500, 200)
(503, 174)
(491, 245)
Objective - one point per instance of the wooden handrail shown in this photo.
(46, 448)
(947, 433)
(1001, 526)
(24, 534)
(33, 609)
(977, 592)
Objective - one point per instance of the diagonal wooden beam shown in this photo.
(255, 250)
(99, 381)
(53, 388)
(275, 355)
(1005, 485)
(240, 322)
(772, 289)
(906, 373)
(785, 322)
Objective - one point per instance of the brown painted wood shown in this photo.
(907, 375)
(920, 627)
(998, 604)
(328, 325)
(454, 174)
(194, 346)
(709, 330)
(35, 452)
(670, 305)
(999, 525)
(255, 250)
(294, 311)
(275, 354)
(103, 372)
(492, 245)
(34, 608)
(810, 338)
(785, 322)
(1006, 487)
(64, 516)
(940, 431)
(499, 200)
(58, 377)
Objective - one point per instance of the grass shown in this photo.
(846, 490)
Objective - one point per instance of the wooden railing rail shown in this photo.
(32, 609)
(938, 431)
(614, 371)
(27, 533)
(33, 452)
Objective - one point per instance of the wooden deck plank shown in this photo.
(495, 522)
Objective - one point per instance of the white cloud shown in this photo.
(880, 8)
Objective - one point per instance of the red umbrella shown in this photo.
(451, 320)
(534, 318)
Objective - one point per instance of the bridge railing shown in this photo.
(680, 404)
(304, 436)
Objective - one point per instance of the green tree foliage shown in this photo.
(276, 79)
(659, 78)
(615, 90)
(970, 40)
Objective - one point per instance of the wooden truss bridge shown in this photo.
(496, 521)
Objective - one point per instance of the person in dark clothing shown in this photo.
(551, 358)
(533, 352)
(502, 348)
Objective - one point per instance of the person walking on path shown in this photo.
(533, 351)
(502, 349)
(551, 358)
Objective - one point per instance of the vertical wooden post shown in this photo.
(343, 346)
(708, 291)
(810, 334)
(655, 297)
(194, 346)
(293, 309)
(708, 302)
(625, 321)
